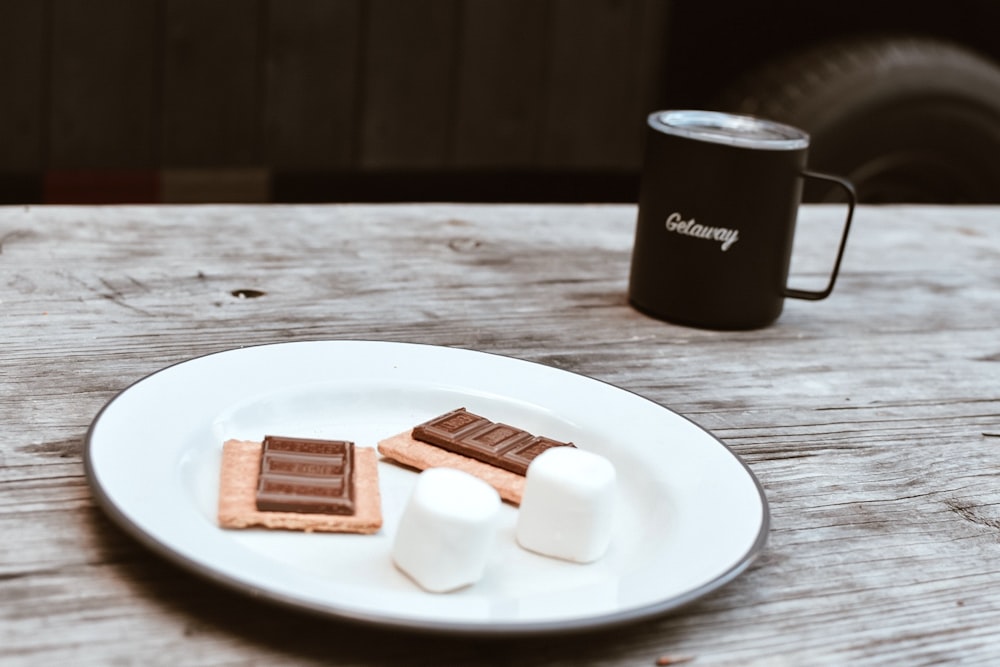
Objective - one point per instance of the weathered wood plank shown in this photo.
(212, 83)
(872, 418)
(313, 51)
(23, 57)
(500, 84)
(408, 83)
(598, 85)
(103, 85)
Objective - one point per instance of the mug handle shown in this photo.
(852, 199)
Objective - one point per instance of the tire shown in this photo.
(906, 119)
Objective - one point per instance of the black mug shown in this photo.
(718, 201)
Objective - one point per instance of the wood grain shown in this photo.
(408, 83)
(212, 72)
(596, 84)
(313, 62)
(872, 419)
(500, 83)
(327, 86)
(104, 85)
(24, 40)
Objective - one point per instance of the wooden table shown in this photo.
(872, 419)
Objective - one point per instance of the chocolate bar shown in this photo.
(499, 445)
(306, 475)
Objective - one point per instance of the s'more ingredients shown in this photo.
(499, 445)
(306, 475)
(447, 529)
(567, 510)
(240, 475)
(497, 453)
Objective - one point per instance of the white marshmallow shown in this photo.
(447, 530)
(567, 510)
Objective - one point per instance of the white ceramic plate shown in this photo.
(690, 515)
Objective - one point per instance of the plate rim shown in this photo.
(496, 629)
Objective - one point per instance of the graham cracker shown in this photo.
(238, 495)
(403, 448)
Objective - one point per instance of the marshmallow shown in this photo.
(568, 506)
(447, 529)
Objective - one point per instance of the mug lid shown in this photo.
(730, 129)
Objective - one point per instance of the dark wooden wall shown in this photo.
(177, 99)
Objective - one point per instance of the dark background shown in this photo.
(378, 100)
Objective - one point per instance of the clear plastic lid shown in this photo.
(730, 129)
